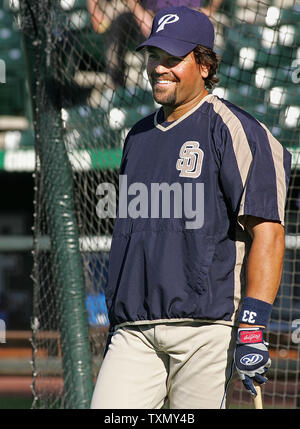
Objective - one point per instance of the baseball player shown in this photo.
(193, 271)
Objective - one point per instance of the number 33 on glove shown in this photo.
(251, 357)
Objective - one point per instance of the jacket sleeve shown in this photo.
(254, 169)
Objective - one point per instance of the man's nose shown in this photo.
(161, 68)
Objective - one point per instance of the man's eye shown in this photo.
(152, 55)
(174, 60)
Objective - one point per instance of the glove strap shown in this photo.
(250, 335)
(255, 312)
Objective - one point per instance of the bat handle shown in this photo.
(258, 404)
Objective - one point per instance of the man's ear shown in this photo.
(204, 70)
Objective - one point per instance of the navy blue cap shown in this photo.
(178, 30)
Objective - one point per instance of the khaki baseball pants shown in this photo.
(166, 365)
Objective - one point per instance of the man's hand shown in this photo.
(251, 357)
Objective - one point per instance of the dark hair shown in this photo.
(208, 57)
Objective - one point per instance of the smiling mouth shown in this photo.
(168, 82)
(162, 82)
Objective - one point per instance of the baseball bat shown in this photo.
(258, 404)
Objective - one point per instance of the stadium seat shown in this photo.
(290, 118)
(121, 119)
(27, 138)
(281, 53)
(288, 137)
(234, 96)
(244, 35)
(80, 114)
(233, 75)
(81, 48)
(276, 96)
(88, 46)
(85, 50)
(289, 15)
(274, 57)
(79, 19)
(86, 128)
(6, 19)
(9, 38)
(130, 97)
(265, 114)
(228, 71)
(244, 95)
(17, 139)
(91, 137)
(287, 100)
(287, 54)
(13, 94)
(249, 48)
(240, 36)
(252, 93)
(14, 62)
(292, 95)
(288, 35)
(267, 77)
(68, 5)
(135, 114)
(12, 97)
(11, 49)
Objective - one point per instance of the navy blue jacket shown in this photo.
(162, 270)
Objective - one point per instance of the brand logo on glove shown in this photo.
(251, 336)
(251, 359)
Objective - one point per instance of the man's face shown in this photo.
(175, 81)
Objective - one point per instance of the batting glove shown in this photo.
(251, 357)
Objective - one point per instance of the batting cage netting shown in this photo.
(88, 86)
